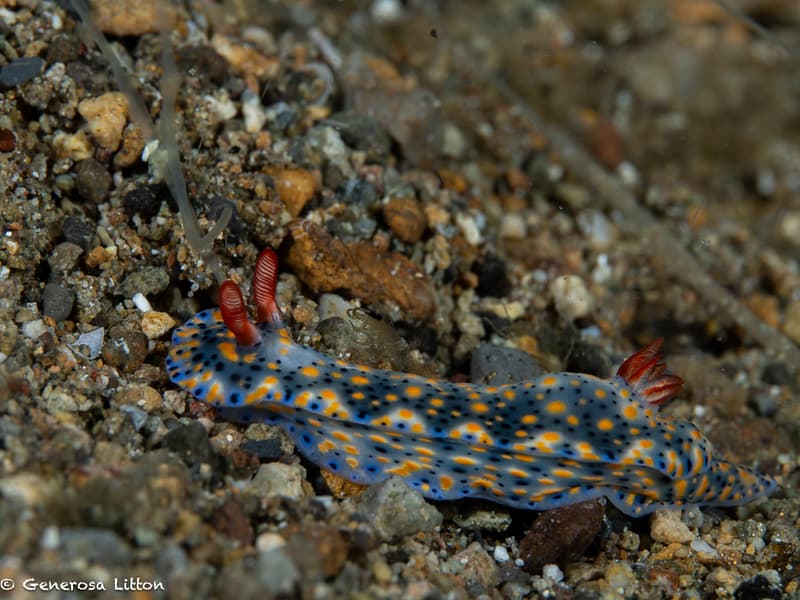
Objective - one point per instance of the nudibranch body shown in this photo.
(555, 440)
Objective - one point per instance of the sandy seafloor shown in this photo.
(414, 160)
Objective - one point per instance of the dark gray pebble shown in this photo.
(21, 70)
(395, 510)
(57, 301)
(93, 180)
(191, 443)
(78, 232)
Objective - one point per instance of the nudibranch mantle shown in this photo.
(559, 439)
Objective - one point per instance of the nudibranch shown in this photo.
(558, 439)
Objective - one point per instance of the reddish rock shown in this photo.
(325, 264)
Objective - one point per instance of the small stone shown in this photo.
(553, 573)
(8, 141)
(666, 527)
(278, 479)
(561, 534)
(500, 555)
(125, 350)
(143, 396)
(405, 218)
(132, 147)
(497, 365)
(571, 297)
(395, 510)
(20, 70)
(475, 566)
(78, 232)
(791, 321)
(144, 200)
(295, 187)
(106, 117)
(360, 132)
(319, 551)
(513, 227)
(492, 276)
(326, 264)
(277, 573)
(74, 146)
(64, 257)
(57, 301)
(131, 19)
(149, 281)
(269, 541)
(92, 181)
(34, 329)
(191, 443)
(244, 60)
(155, 324)
(95, 545)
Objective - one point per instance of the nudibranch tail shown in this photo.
(644, 372)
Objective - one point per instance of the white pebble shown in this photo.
(553, 573)
(571, 296)
(500, 554)
(34, 329)
(269, 541)
(469, 228)
(703, 547)
(141, 302)
(254, 114)
(513, 227)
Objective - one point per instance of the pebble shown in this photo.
(244, 60)
(253, 112)
(561, 534)
(553, 573)
(791, 321)
(125, 350)
(405, 218)
(475, 566)
(191, 443)
(92, 181)
(8, 141)
(57, 301)
(131, 19)
(149, 281)
(269, 541)
(666, 527)
(277, 573)
(106, 117)
(143, 396)
(492, 276)
(513, 227)
(144, 200)
(295, 187)
(20, 70)
(362, 133)
(318, 550)
(326, 264)
(94, 545)
(571, 297)
(497, 365)
(500, 554)
(74, 146)
(78, 232)
(64, 257)
(155, 324)
(34, 329)
(278, 479)
(395, 510)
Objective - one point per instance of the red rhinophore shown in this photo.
(645, 370)
(234, 313)
(264, 281)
